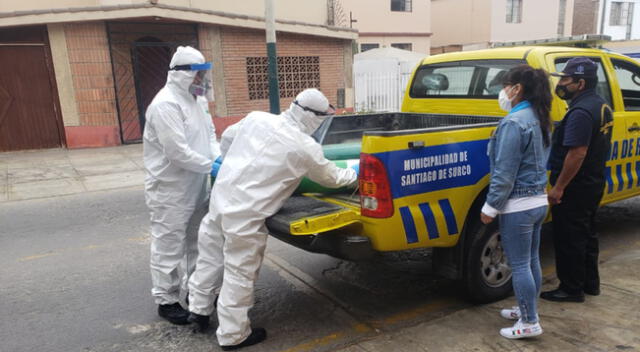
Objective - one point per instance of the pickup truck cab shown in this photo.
(424, 172)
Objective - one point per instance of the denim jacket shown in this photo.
(518, 157)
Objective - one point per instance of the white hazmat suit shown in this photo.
(179, 149)
(265, 157)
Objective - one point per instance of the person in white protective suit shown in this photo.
(180, 147)
(265, 157)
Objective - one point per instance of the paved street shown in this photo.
(74, 271)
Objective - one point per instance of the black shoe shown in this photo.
(592, 291)
(202, 322)
(559, 295)
(257, 335)
(174, 313)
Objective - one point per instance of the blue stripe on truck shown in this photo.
(430, 220)
(409, 225)
(449, 216)
(418, 171)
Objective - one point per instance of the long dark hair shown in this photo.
(536, 90)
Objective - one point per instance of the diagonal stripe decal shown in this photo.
(430, 220)
(619, 176)
(409, 225)
(607, 173)
(449, 216)
(629, 176)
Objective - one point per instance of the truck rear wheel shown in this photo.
(487, 273)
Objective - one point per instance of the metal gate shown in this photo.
(29, 112)
(150, 67)
(140, 55)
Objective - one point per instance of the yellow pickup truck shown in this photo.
(424, 171)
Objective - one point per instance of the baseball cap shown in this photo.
(578, 67)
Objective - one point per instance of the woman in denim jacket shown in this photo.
(518, 153)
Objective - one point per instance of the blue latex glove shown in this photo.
(356, 167)
(216, 167)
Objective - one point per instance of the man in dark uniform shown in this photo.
(579, 151)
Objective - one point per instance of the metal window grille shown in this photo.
(615, 14)
(295, 73)
(514, 11)
(401, 5)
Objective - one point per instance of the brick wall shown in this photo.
(92, 75)
(585, 19)
(238, 44)
(205, 47)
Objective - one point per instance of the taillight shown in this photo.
(375, 191)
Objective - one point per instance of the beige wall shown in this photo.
(307, 11)
(539, 21)
(376, 16)
(460, 22)
(377, 24)
(463, 22)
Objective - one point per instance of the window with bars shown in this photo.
(401, 5)
(619, 13)
(295, 73)
(514, 11)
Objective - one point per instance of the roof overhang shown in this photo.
(161, 11)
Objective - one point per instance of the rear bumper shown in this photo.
(333, 243)
(320, 227)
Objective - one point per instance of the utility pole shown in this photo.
(272, 57)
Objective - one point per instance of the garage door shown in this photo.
(28, 112)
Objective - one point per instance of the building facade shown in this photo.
(619, 19)
(402, 24)
(477, 24)
(92, 69)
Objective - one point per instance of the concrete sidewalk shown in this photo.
(609, 322)
(55, 172)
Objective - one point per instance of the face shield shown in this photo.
(203, 82)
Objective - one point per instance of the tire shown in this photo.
(487, 274)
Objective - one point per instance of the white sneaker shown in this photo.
(521, 330)
(512, 313)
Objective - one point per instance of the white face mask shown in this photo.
(504, 101)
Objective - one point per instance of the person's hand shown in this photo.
(486, 219)
(555, 195)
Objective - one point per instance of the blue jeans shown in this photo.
(520, 235)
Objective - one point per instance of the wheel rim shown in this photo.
(495, 267)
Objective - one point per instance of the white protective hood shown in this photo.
(307, 121)
(179, 81)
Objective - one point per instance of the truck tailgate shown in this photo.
(303, 215)
(319, 226)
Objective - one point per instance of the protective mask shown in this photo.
(504, 101)
(201, 85)
(563, 93)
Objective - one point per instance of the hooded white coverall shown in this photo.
(179, 146)
(265, 157)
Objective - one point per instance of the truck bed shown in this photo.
(350, 128)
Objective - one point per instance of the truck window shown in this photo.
(603, 88)
(479, 79)
(629, 79)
